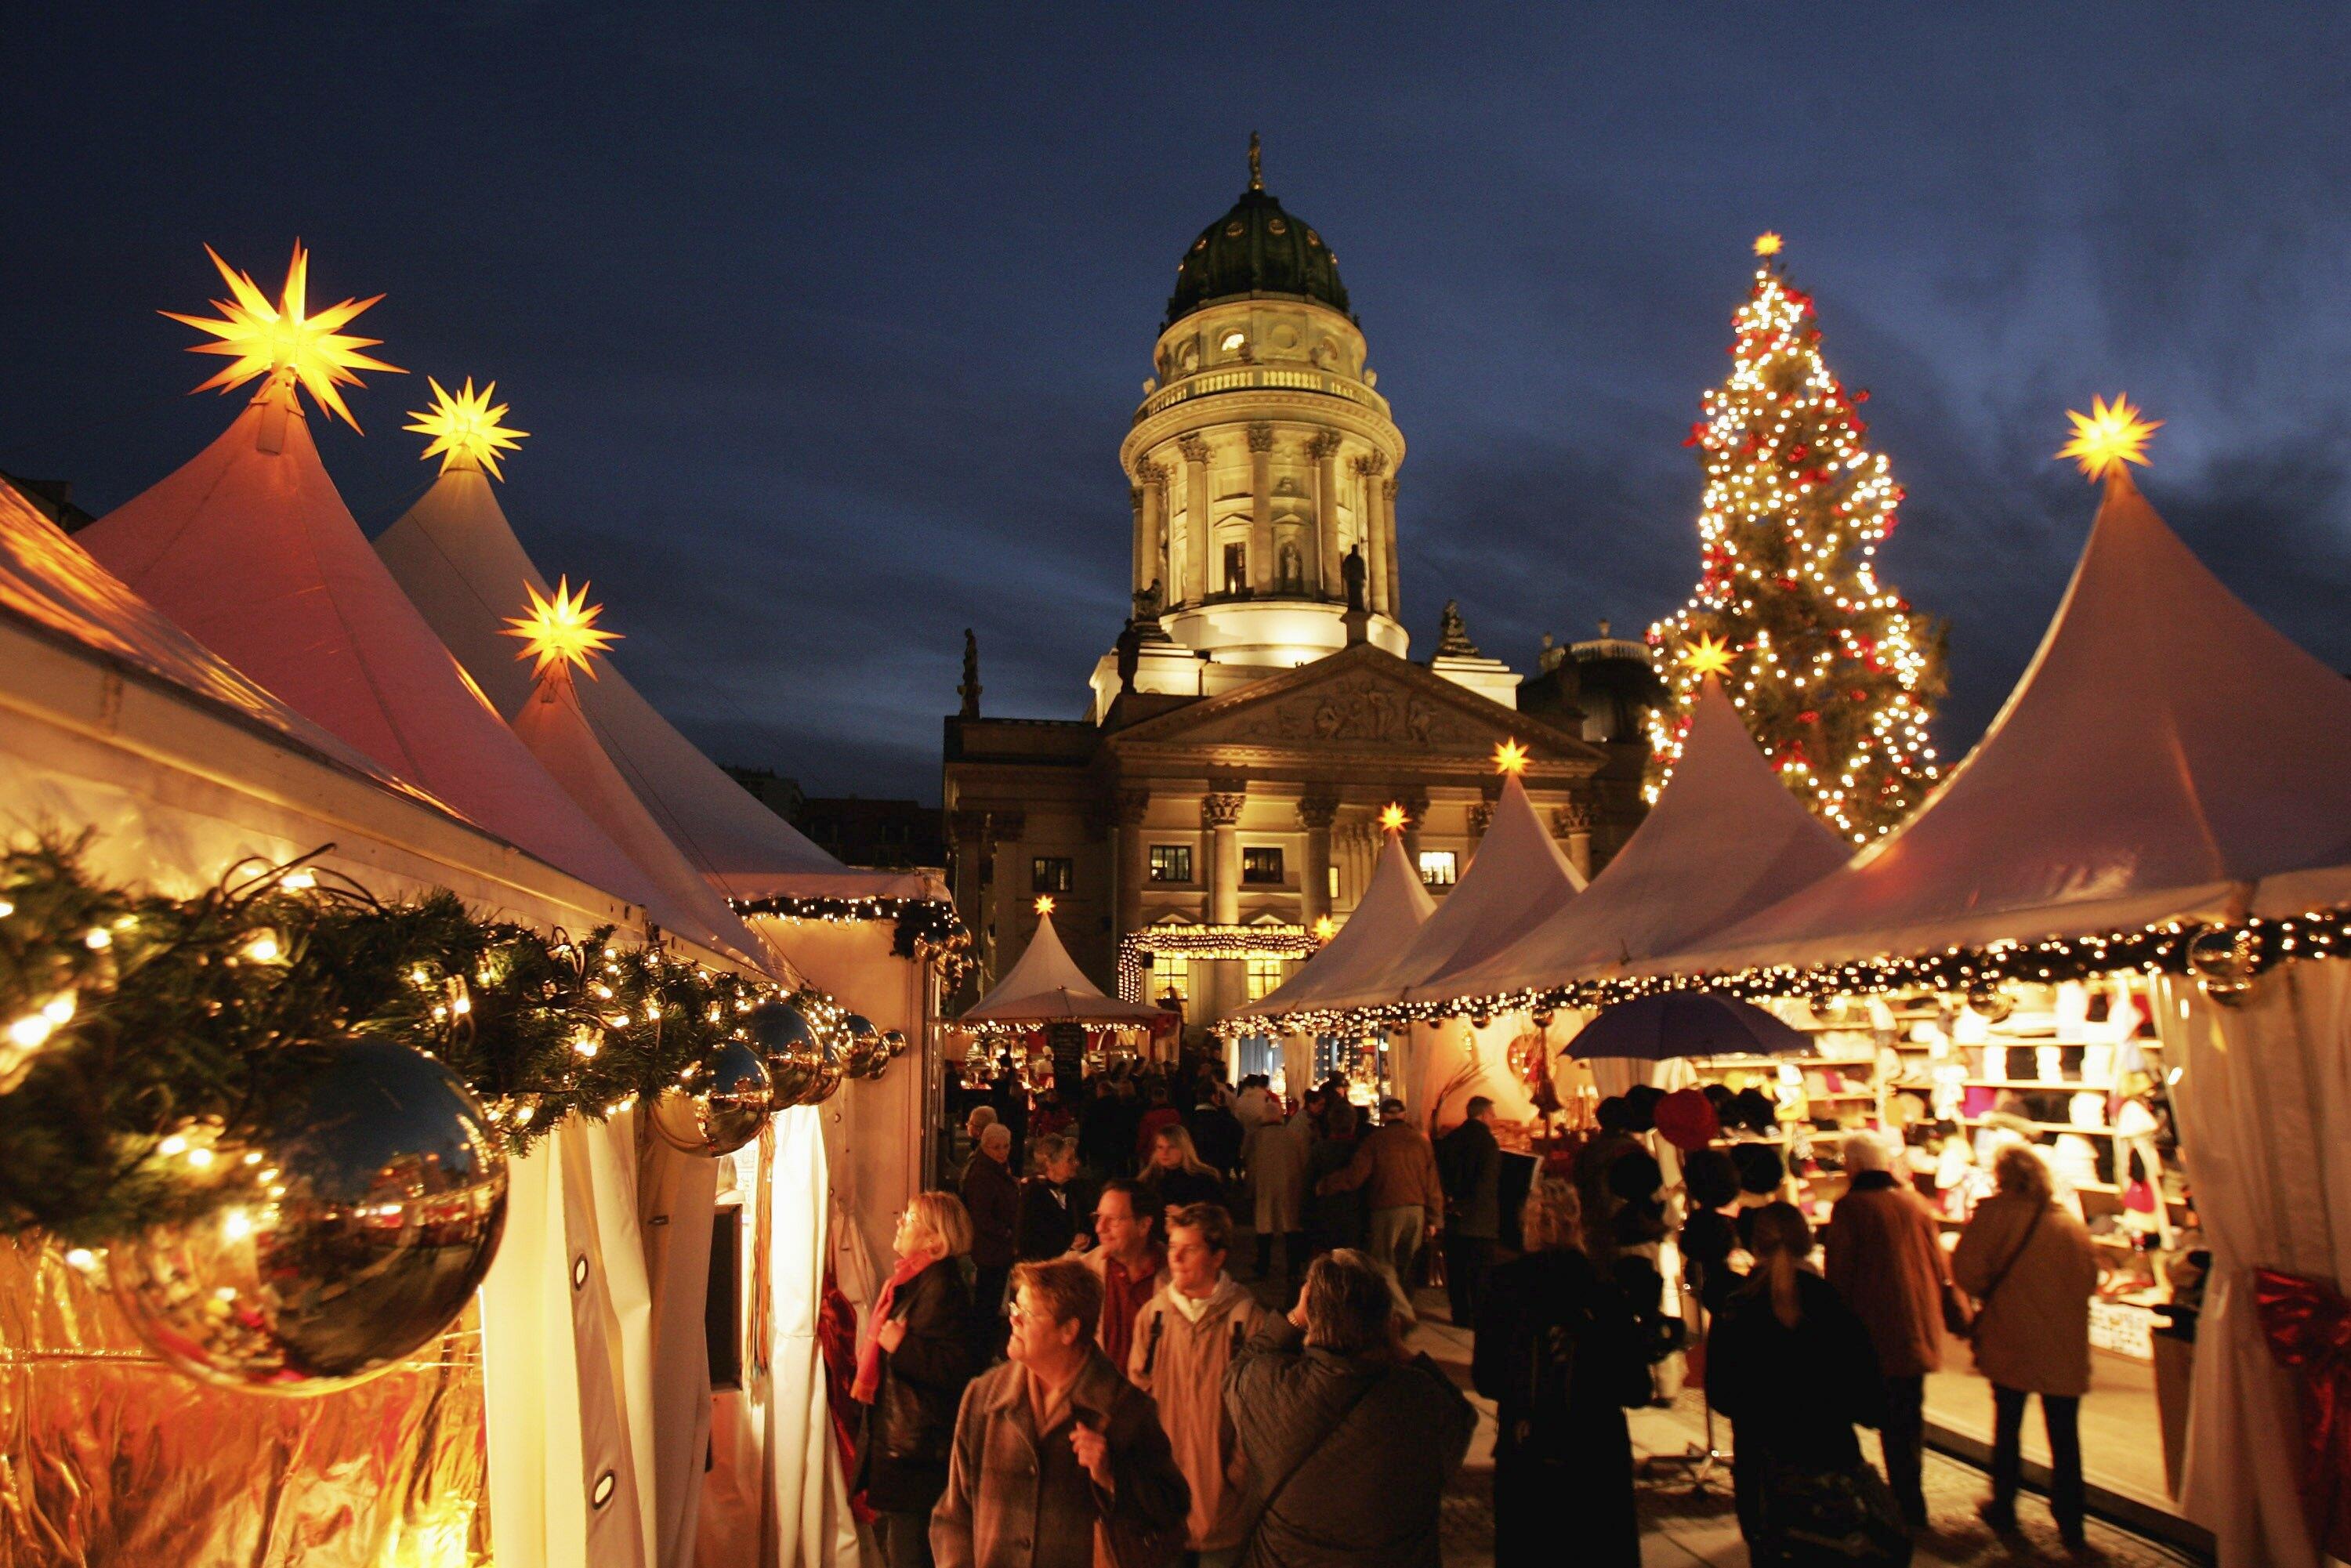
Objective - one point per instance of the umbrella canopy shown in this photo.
(1686, 1023)
(2167, 754)
(1047, 987)
(1724, 841)
(1391, 912)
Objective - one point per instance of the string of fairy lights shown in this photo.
(1136, 949)
(1833, 670)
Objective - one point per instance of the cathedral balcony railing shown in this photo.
(1260, 378)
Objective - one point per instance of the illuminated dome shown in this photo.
(1257, 249)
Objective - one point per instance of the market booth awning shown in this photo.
(1725, 840)
(1047, 987)
(1394, 908)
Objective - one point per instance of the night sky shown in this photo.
(828, 325)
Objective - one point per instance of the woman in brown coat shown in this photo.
(1887, 1261)
(2030, 1266)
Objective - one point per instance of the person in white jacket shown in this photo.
(1277, 1170)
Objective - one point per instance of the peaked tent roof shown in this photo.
(1394, 908)
(1047, 987)
(2167, 753)
(1517, 879)
(456, 556)
(1725, 840)
(249, 548)
(557, 732)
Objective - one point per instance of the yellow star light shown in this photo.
(1391, 817)
(2108, 436)
(560, 631)
(1325, 928)
(285, 342)
(466, 429)
(1510, 758)
(1768, 243)
(1706, 656)
(1044, 904)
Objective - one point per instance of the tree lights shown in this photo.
(1833, 672)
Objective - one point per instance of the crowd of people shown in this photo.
(1074, 1368)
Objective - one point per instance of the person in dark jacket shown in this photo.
(1350, 1438)
(1334, 1219)
(1176, 1176)
(919, 1351)
(1791, 1366)
(992, 1195)
(1470, 1165)
(1884, 1258)
(1216, 1134)
(1561, 1355)
(1048, 1222)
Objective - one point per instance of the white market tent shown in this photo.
(1375, 938)
(456, 556)
(2168, 754)
(1047, 987)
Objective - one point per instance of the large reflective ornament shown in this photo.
(719, 1105)
(832, 1062)
(895, 1039)
(2223, 964)
(866, 1054)
(352, 1232)
(792, 1049)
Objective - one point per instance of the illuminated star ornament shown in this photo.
(561, 631)
(1044, 904)
(1768, 244)
(1706, 656)
(284, 342)
(1325, 928)
(2108, 436)
(1510, 758)
(467, 430)
(1391, 817)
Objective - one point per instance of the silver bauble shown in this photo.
(352, 1232)
(720, 1103)
(2222, 962)
(865, 1054)
(792, 1049)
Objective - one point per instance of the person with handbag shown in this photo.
(1561, 1355)
(919, 1351)
(2032, 1270)
(1794, 1370)
(1886, 1258)
(1350, 1436)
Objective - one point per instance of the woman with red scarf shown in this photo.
(917, 1354)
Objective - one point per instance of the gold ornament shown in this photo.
(863, 1055)
(719, 1105)
(792, 1049)
(895, 1039)
(348, 1235)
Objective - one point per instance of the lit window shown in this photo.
(1263, 866)
(1171, 863)
(1233, 340)
(1171, 974)
(1050, 873)
(1264, 975)
(1334, 884)
(1438, 868)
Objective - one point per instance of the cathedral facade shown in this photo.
(1218, 804)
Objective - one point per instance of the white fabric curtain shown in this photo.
(2264, 1110)
(676, 1194)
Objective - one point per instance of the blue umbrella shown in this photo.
(1686, 1023)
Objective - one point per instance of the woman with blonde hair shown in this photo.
(1559, 1352)
(1176, 1176)
(919, 1348)
(1794, 1370)
(2030, 1265)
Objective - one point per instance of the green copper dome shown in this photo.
(1256, 248)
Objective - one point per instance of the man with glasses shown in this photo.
(1130, 1266)
(1058, 1461)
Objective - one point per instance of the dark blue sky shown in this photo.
(829, 324)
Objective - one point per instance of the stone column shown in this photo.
(1133, 859)
(1392, 583)
(1324, 579)
(1220, 814)
(1315, 813)
(1415, 816)
(1261, 445)
(1151, 529)
(1369, 468)
(1481, 817)
(1012, 878)
(1573, 823)
(1197, 543)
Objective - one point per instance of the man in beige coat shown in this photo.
(1185, 1337)
(1396, 1165)
(2030, 1266)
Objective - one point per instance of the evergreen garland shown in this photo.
(131, 1016)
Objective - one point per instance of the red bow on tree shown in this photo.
(2308, 1327)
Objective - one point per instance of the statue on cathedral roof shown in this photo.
(1452, 636)
(969, 690)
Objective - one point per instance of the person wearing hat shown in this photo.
(1396, 1169)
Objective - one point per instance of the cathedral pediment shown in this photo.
(1362, 700)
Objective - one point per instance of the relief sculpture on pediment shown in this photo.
(1359, 710)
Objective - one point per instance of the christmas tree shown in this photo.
(1834, 672)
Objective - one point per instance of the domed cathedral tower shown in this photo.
(1262, 461)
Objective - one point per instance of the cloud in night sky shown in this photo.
(829, 325)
